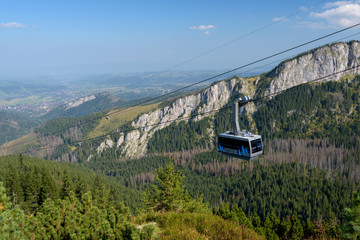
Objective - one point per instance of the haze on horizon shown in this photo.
(93, 37)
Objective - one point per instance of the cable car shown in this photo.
(240, 144)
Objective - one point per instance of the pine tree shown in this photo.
(66, 186)
(296, 231)
(224, 211)
(47, 187)
(237, 213)
(168, 194)
(13, 222)
(350, 225)
(13, 185)
(271, 225)
(168, 191)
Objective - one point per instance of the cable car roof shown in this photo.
(244, 136)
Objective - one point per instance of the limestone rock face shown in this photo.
(106, 144)
(120, 141)
(316, 64)
(205, 102)
(304, 68)
(80, 101)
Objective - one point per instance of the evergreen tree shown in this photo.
(224, 211)
(271, 225)
(168, 194)
(13, 185)
(351, 220)
(66, 186)
(237, 213)
(13, 222)
(296, 231)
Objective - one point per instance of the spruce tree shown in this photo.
(350, 225)
(13, 222)
(168, 194)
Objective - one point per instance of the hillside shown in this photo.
(292, 114)
(40, 199)
(85, 106)
(15, 125)
(314, 64)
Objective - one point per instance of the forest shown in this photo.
(66, 201)
(305, 186)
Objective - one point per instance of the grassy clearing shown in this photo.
(117, 118)
(19, 145)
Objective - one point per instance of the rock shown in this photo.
(106, 144)
(205, 102)
(120, 141)
(80, 101)
(304, 68)
(314, 65)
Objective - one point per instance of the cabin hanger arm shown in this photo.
(239, 102)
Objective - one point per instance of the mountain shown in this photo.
(14, 125)
(298, 189)
(86, 105)
(315, 64)
(306, 67)
(134, 136)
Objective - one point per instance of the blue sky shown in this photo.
(92, 37)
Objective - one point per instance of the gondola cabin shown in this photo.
(240, 144)
(245, 146)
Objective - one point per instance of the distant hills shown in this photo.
(86, 105)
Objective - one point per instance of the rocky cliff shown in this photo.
(306, 67)
(315, 64)
(206, 102)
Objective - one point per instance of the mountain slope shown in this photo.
(315, 64)
(14, 125)
(85, 106)
(312, 115)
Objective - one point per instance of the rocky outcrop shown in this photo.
(316, 64)
(304, 68)
(106, 144)
(80, 101)
(216, 96)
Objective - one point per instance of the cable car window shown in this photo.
(234, 146)
(256, 146)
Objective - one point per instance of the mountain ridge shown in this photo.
(288, 74)
(315, 64)
(133, 142)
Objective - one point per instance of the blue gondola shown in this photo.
(240, 144)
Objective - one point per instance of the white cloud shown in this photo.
(278, 19)
(337, 4)
(12, 25)
(204, 28)
(339, 14)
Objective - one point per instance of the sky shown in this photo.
(106, 36)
